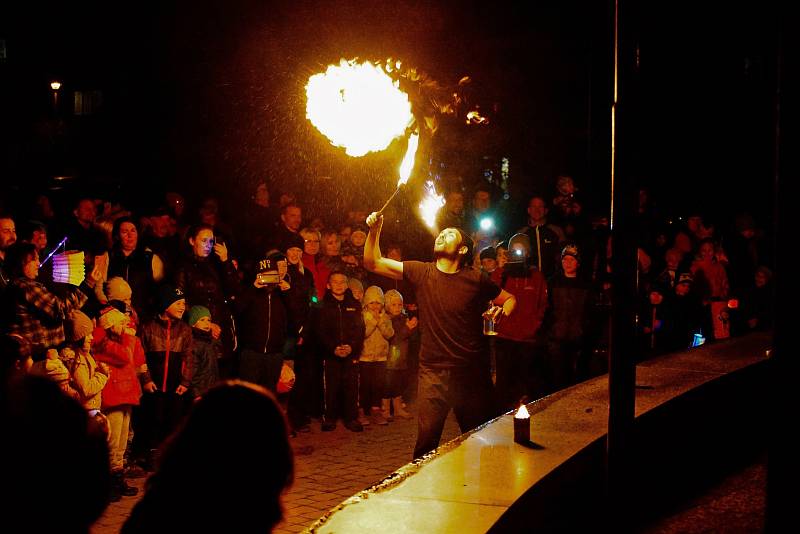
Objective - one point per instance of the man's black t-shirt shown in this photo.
(450, 313)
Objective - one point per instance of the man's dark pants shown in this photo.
(261, 368)
(468, 391)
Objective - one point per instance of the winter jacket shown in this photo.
(37, 313)
(570, 306)
(137, 269)
(530, 293)
(124, 355)
(263, 319)
(207, 351)
(167, 345)
(87, 378)
(378, 331)
(341, 323)
(213, 284)
(545, 248)
(298, 299)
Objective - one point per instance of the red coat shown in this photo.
(123, 354)
(531, 295)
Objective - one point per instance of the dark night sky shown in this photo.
(212, 92)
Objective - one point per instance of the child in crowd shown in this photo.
(341, 338)
(167, 343)
(115, 343)
(206, 351)
(89, 377)
(372, 362)
(397, 361)
(353, 254)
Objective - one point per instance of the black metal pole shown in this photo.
(783, 464)
(624, 204)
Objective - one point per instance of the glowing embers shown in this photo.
(358, 106)
(430, 204)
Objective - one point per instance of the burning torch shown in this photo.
(406, 167)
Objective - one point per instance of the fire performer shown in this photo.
(454, 360)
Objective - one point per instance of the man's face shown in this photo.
(8, 233)
(673, 259)
(502, 256)
(358, 238)
(481, 201)
(337, 283)
(203, 243)
(39, 239)
(682, 289)
(294, 255)
(292, 218)
(31, 267)
(161, 225)
(176, 309)
(311, 243)
(128, 236)
(262, 195)
(537, 209)
(447, 242)
(761, 279)
(656, 298)
(570, 265)
(455, 203)
(86, 211)
(332, 245)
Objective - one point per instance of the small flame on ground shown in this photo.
(408, 161)
(430, 205)
(522, 413)
(473, 117)
(357, 106)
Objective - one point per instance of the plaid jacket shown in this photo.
(38, 314)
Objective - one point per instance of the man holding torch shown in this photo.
(452, 299)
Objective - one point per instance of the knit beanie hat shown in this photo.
(391, 296)
(118, 289)
(197, 313)
(77, 326)
(373, 294)
(168, 294)
(294, 241)
(570, 250)
(355, 283)
(111, 316)
(489, 253)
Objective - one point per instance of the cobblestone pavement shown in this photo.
(339, 464)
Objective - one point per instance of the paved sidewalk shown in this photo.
(340, 464)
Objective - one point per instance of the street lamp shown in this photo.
(55, 86)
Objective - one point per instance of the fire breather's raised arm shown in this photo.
(373, 261)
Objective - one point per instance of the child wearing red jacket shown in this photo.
(116, 344)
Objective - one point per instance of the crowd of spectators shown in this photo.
(173, 303)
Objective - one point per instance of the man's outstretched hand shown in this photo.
(374, 219)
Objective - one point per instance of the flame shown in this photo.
(358, 106)
(522, 413)
(473, 117)
(408, 161)
(430, 205)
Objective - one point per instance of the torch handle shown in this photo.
(386, 204)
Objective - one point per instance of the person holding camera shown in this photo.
(209, 278)
(263, 324)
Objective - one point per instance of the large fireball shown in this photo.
(357, 106)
